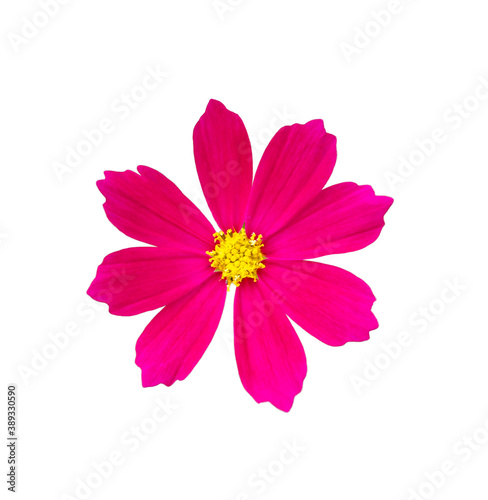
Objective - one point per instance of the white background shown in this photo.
(273, 62)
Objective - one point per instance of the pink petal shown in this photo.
(175, 340)
(224, 163)
(331, 304)
(270, 356)
(294, 168)
(136, 280)
(341, 218)
(150, 208)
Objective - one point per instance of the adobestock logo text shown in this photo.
(363, 36)
(454, 117)
(122, 107)
(462, 451)
(132, 439)
(30, 26)
(420, 319)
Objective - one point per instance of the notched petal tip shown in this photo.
(317, 124)
(215, 104)
(143, 169)
(387, 201)
(147, 381)
(285, 405)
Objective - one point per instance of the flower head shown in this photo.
(267, 229)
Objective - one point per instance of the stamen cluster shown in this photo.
(236, 256)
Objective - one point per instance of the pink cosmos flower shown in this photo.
(267, 229)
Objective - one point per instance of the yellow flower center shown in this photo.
(236, 256)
